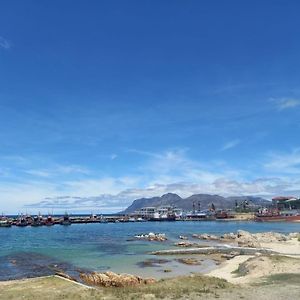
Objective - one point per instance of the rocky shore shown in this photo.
(111, 279)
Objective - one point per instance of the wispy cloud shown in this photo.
(230, 145)
(4, 44)
(284, 163)
(286, 103)
(58, 170)
(113, 156)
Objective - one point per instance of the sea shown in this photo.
(40, 251)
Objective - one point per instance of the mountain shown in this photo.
(205, 201)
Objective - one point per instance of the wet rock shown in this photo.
(229, 236)
(189, 261)
(184, 244)
(160, 237)
(152, 263)
(182, 237)
(110, 279)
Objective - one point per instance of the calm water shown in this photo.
(34, 251)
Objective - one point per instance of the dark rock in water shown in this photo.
(30, 264)
(189, 261)
(152, 263)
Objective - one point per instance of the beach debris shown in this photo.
(160, 237)
(189, 261)
(111, 279)
(167, 270)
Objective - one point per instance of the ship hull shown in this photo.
(277, 218)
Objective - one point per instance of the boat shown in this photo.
(22, 222)
(66, 220)
(162, 217)
(5, 222)
(49, 221)
(278, 216)
(37, 221)
(283, 209)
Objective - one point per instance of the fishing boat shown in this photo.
(22, 222)
(66, 220)
(37, 221)
(162, 217)
(5, 222)
(49, 221)
(278, 216)
(283, 209)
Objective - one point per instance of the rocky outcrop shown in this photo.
(160, 237)
(110, 279)
(189, 261)
(246, 239)
(206, 236)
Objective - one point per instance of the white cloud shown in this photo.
(286, 103)
(164, 172)
(284, 163)
(58, 170)
(113, 156)
(230, 145)
(4, 44)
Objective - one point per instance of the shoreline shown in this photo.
(265, 276)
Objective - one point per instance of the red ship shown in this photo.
(285, 209)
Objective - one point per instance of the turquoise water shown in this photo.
(33, 251)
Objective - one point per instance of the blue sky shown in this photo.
(102, 102)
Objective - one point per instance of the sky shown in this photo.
(104, 102)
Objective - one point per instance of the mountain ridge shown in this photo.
(205, 200)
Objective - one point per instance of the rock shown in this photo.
(268, 237)
(246, 239)
(182, 237)
(152, 263)
(189, 261)
(64, 275)
(206, 236)
(184, 244)
(229, 236)
(294, 235)
(109, 279)
(160, 237)
(230, 255)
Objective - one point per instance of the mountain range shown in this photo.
(205, 201)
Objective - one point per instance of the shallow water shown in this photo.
(35, 251)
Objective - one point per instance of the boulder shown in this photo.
(246, 239)
(109, 279)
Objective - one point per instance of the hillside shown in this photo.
(205, 201)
